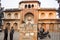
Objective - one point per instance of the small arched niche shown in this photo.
(9, 15)
(50, 15)
(42, 15)
(16, 15)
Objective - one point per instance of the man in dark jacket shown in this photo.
(11, 33)
(43, 34)
(5, 33)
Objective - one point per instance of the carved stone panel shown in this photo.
(28, 32)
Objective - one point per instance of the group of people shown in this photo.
(42, 33)
(6, 33)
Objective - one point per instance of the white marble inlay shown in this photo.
(31, 34)
(27, 34)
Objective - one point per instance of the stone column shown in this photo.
(47, 26)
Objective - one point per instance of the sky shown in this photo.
(15, 3)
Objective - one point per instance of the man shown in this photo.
(44, 34)
(5, 33)
(42, 30)
(11, 33)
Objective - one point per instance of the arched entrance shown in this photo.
(29, 18)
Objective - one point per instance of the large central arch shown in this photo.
(29, 17)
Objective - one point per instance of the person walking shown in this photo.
(11, 33)
(5, 33)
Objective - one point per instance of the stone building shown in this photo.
(30, 11)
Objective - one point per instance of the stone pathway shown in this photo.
(54, 36)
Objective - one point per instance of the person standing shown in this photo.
(5, 33)
(11, 33)
(42, 30)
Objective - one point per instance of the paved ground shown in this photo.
(16, 36)
(54, 36)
